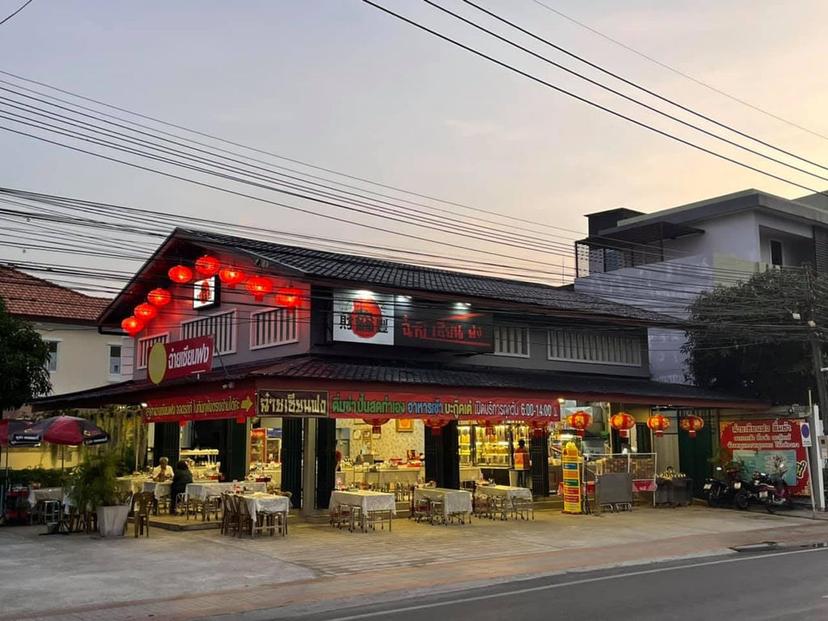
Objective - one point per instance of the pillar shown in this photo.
(309, 466)
(325, 461)
(291, 459)
(538, 455)
(442, 457)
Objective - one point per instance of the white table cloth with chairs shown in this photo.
(200, 490)
(454, 501)
(260, 501)
(159, 489)
(366, 500)
(45, 493)
(505, 491)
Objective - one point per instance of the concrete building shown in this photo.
(663, 260)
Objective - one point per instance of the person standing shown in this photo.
(522, 463)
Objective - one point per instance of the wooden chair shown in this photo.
(229, 518)
(142, 505)
(211, 506)
(245, 520)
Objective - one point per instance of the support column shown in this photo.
(309, 466)
(325, 461)
(442, 460)
(292, 459)
(538, 455)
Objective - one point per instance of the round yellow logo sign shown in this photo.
(157, 363)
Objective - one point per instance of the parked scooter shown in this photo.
(721, 490)
(744, 493)
(772, 491)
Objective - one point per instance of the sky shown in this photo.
(341, 85)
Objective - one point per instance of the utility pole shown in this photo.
(817, 364)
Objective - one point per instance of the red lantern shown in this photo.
(622, 423)
(259, 286)
(436, 425)
(159, 297)
(658, 424)
(206, 266)
(692, 425)
(231, 276)
(241, 420)
(376, 424)
(488, 425)
(579, 421)
(145, 312)
(288, 297)
(132, 325)
(180, 274)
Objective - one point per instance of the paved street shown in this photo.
(789, 584)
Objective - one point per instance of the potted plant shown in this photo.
(94, 487)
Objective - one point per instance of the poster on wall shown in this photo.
(770, 446)
(363, 317)
(452, 326)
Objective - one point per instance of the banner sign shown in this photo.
(206, 293)
(363, 317)
(768, 446)
(202, 406)
(292, 403)
(180, 358)
(451, 326)
(356, 404)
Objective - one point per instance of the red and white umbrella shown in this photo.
(65, 430)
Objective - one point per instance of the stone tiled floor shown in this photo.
(175, 570)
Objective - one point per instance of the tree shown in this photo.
(23, 359)
(747, 339)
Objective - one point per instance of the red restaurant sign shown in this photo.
(202, 406)
(356, 404)
(168, 361)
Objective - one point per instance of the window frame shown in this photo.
(138, 365)
(581, 343)
(120, 372)
(254, 314)
(771, 242)
(234, 333)
(524, 329)
(54, 359)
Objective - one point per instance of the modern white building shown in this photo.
(663, 260)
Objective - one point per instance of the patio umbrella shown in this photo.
(12, 434)
(65, 430)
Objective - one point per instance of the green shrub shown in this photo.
(93, 482)
(42, 477)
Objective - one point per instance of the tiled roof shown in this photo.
(405, 373)
(369, 271)
(35, 298)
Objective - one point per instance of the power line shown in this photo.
(683, 74)
(8, 17)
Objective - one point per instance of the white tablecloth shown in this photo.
(505, 491)
(45, 493)
(201, 489)
(470, 473)
(132, 485)
(365, 499)
(158, 489)
(265, 502)
(454, 500)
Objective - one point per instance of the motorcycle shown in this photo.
(744, 493)
(722, 488)
(772, 491)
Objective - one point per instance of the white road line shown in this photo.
(544, 587)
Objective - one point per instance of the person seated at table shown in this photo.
(181, 479)
(162, 472)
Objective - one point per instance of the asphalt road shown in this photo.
(786, 584)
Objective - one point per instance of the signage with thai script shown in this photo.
(180, 358)
(444, 326)
(772, 446)
(206, 293)
(292, 403)
(355, 404)
(202, 406)
(363, 317)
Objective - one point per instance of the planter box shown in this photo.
(112, 520)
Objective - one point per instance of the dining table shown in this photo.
(455, 502)
(365, 500)
(262, 501)
(45, 493)
(509, 492)
(200, 490)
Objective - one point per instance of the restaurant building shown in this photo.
(316, 369)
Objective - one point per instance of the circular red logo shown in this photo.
(366, 318)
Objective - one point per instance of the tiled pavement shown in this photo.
(187, 576)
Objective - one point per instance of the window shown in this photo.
(273, 327)
(511, 341)
(775, 252)
(222, 327)
(591, 347)
(52, 362)
(145, 345)
(114, 360)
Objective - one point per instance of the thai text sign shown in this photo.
(292, 403)
(770, 446)
(355, 404)
(203, 406)
(180, 358)
(449, 326)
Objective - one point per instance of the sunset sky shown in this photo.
(341, 85)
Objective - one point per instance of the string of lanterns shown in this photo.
(206, 266)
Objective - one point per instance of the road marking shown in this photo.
(545, 587)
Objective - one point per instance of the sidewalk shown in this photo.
(184, 576)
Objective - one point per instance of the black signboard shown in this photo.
(292, 403)
(455, 327)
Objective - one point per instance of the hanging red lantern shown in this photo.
(159, 297)
(376, 424)
(206, 266)
(145, 312)
(488, 425)
(259, 286)
(658, 424)
(231, 276)
(288, 297)
(132, 325)
(622, 422)
(180, 274)
(579, 421)
(436, 425)
(692, 425)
